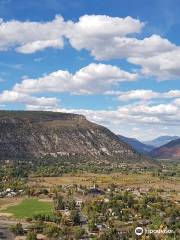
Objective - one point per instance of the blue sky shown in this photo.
(115, 61)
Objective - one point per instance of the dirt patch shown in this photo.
(8, 202)
(6, 214)
(20, 238)
(45, 200)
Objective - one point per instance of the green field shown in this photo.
(29, 207)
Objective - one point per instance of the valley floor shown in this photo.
(86, 205)
(79, 185)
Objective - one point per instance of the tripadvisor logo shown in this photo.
(139, 231)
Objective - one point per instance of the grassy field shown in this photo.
(134, 180)
(125, 180)
(29, 207)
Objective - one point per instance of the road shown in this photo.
(5, 233)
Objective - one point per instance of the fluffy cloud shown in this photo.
(165, 65)
(103, 36)
(91, 31)
(142, 94)
(138, 95)
(156, 110)
(15, 97)
(40, 45)
(29, 37)
(94, 78)
(125, 47)
(108, 38)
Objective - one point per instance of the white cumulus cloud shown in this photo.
(143, 94)
(93, 30)
(94, 78)
(103, 36)
(16, 97)
(29, 37)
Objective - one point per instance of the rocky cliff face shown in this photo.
(27, 135)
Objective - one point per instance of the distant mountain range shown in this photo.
(170, 150)
(160, 141)
(136, 144)
(168, 146)
(36, 135)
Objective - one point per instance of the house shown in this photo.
(66, 212)
(83, 219)
(95, 191)
(8, 190)
(2, 194)
(10, 193)
(99, 227)
(144, 222)
(79, 202)
(106, 200)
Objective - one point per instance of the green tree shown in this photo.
(92, 225)
(17, 229)
(59, 203)
(75, 217)
(52, 231)
(79, 232)
(72, 204)
(31, 236)
(110, 234)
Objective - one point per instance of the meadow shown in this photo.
(28, 208)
